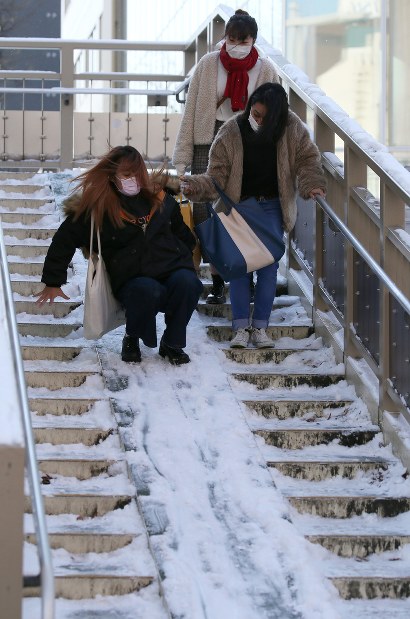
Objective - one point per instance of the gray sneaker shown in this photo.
(260, 339)
(241, 339)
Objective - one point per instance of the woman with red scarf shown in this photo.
(218, 89)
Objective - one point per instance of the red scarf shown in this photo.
(236, 88)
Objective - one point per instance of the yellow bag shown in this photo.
(186, 211)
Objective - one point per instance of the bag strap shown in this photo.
(92, 237)
(211, 213)
(225, 199)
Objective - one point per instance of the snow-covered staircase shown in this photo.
(349, 495)
(100, 549)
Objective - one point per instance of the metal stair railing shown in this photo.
(45, 578)
(389, 297)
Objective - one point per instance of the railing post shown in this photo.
(392, 215)
(217, 30)
(325, 140)
(11, 528)
(297, 105)
(67, 108)
(12, 458)
(355, 175)
(201, 45)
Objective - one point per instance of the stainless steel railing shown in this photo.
(46, 577)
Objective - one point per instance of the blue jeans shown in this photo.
(265, 289)
(176, 295)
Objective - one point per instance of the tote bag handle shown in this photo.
(92, 238)
(230, 204)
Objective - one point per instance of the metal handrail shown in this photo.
(46, 567)
(390, 285)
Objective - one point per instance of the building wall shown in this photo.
(358, 52)
(30, 18)
(340, 44)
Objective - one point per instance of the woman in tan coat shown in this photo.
(266, 153)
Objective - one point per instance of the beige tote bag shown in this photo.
(102, 311)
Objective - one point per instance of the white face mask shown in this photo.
(238, 51)
(253, 123)
(129, 186)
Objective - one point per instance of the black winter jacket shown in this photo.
(166, 245)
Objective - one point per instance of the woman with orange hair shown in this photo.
(146, 247)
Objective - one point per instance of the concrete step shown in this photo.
(87, 503)
(29, 217)
(59, 309)
(266, 380)
(26, 287)
(65, 435)
(20, 248)
(50, 329)
(223, 333)
(255, 355)
(372, 587)
(106, 534)
(25, 188)
(13, 175)
(28, 232)
(62, 406)
(90, 584)
(58, 379)
(339, 506)
(35, 352)
(298, 438)
(23, 266)
(285, 409)
(80, 465)
(82, 542)
(360, 546)
(319, 470)
(27, 202)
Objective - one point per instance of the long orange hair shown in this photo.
(98, 190)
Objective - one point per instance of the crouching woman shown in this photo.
(146, 247)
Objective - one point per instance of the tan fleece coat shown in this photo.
(299, 168)
(198, 121)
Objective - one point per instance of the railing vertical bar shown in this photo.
(23, 123)
(4, 154)
(42, 137)
(128, 136)
(146, 131)
(109, 119)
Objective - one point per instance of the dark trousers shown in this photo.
(176, 296)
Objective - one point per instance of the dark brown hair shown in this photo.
(99, 194)
(241, 25)
(273, 96)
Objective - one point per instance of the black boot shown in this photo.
(217, 293)
(130, 349)
(176, 356)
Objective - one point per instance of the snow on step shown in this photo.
(98, 539)
(349, 495)
(87, 575)
(68, 405)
